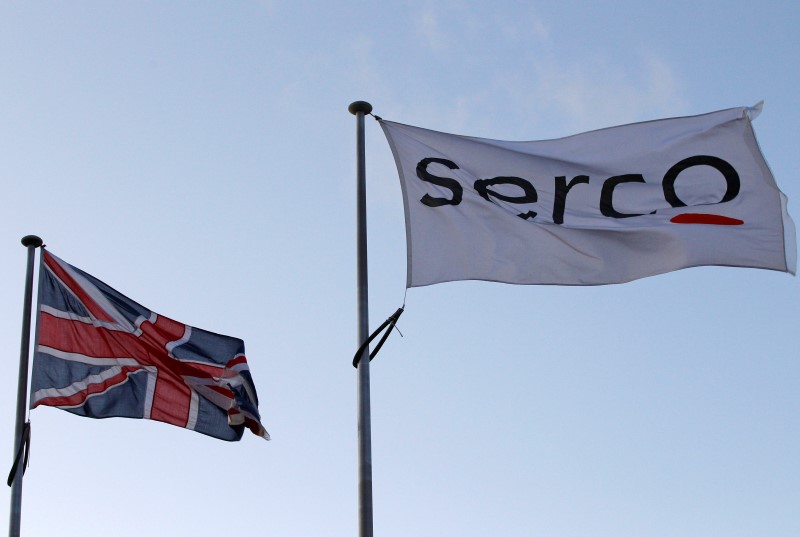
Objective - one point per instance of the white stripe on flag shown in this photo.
(84, 359)
(78, 318)
(194, 408)
(80, 386)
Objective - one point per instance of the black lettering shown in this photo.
(723, 167)
(562, 187)
(607, 194)
(446, 182)
(529, 194)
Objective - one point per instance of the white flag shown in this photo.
(607, 206)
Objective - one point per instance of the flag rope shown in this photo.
(23, 448)
(388, 324)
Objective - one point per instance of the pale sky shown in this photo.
(199, 157)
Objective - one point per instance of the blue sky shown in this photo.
(199, 157)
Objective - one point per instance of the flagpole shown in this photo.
(359, 109)
(31, 242)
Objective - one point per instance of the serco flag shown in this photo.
(602, 207)
(100, 354)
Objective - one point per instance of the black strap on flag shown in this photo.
(23, 451)
(388, 324)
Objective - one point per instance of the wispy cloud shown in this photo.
(601, 92)
(434, 36)
(520, 70)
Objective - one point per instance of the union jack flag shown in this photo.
(99, 354)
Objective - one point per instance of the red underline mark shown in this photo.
(712, 219)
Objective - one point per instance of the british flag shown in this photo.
(100, 354)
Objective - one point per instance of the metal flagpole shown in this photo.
(31, 242)
(359, 109)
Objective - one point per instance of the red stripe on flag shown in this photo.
(701, 218)
(222, 390)
(82, 338)
(87, 301)
(99, 342)
(236, 361)
(254, 426)
(79, 398)
(171, 400)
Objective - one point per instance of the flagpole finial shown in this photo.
(360, 106)
(31, 240)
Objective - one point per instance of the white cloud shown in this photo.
(599, 93)
(431, 31)
(526, 80)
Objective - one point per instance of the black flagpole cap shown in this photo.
(360, 106)
(31, 240)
